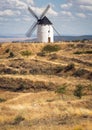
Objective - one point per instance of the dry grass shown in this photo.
(28, 84)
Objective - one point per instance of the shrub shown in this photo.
(61, 90)
(58, 69)
(79, 72)
(51, 48)
(88, 52)
(11, 55)
(21, 87)
(79, 91)
(69, 67)
(83, 52)
(18, 119)
(2, 100)
(26, 53)
(41, 54)
(78, 52)
(90, 87)
(7, 50)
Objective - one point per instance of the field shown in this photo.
(46, 86)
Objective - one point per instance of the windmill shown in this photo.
(44, 27)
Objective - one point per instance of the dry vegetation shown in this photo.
(46, 86)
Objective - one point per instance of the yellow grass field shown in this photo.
(46, 86)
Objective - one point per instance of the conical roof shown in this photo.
(44, 21)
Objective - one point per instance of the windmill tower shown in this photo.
(44, 27)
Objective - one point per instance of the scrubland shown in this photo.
(46, 86)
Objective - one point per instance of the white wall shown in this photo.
(43, 32)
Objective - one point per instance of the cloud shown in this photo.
(77, 8)
(12, 4)
(30, 2)
(9, 13)
(39, 11)
(81, 15)
(20, 4)
(87, 2)
(66, 6)
(52, 12)
(66, 13)
(84, 2)
(84, 7)
(27, 19)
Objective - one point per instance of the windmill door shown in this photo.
(49, 40)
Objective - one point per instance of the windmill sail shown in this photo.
(31, 11)
(45, 11)
(31, 29)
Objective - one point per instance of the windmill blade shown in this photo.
(45, 11)
(56, 31)
(31, 29)
(32, 12)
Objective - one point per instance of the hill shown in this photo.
(23, 38)
(46, 86)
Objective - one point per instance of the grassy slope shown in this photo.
(28, 84)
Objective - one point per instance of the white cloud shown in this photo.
(66, 6)
(20, 4)
(84, 1)
(39, 11)
(27, 19)
(84, 7)
(81, 15)
(9, 13)
(66, 13)
(52, 12)
(30, 2)
(12, 4)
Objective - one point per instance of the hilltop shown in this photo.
(46, 86)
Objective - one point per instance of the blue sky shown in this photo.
(70, 17)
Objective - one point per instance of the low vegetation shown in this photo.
(2, 100)
(78, 92)
(11, 55)
(69, 67)
(61, 90)
(18, 119)
(83, 52)
(26, 53)
(51, 48)
(7, 50)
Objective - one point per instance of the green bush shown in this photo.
(2, 100)
(41, 54)
(21, 87)
(78, 92)
(26, 53)
(51, 48)
(79, 72)
(18, 119)
(69, 67)
(7, 50)
(58, 69)
(61, 90)
(11, 55)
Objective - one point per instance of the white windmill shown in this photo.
(44, 27)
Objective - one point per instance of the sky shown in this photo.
(69, 17)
